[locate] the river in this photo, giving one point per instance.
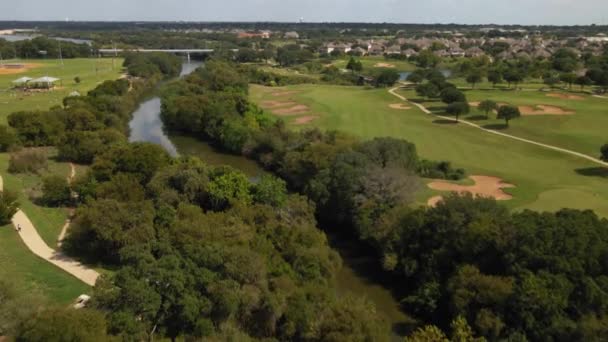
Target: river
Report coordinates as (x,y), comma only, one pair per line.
(359,275)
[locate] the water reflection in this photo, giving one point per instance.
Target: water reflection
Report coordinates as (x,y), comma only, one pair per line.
(147,126)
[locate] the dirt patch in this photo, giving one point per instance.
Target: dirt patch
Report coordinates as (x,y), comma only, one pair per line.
(283,93)
(399,106)
(544,110)
(305,119)
(485,186)
(476,104)
(4,70)
(384,65)
(276,104)
(295,110)
(565,96)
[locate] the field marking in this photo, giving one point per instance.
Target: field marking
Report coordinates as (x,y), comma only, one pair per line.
(551,147)
(33,241)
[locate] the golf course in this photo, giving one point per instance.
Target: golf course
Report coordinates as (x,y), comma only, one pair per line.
(542,179)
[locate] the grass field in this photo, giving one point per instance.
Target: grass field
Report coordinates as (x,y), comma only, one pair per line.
(12,100)
(16,259)
(545,179)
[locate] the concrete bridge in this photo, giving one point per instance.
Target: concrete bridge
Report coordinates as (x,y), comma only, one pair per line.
(186,52)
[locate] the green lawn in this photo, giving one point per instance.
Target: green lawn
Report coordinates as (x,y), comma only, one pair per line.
(545,179)
(85,68)
(16,259)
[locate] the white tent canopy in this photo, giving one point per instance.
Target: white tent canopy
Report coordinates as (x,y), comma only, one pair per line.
(45,79)
(22,80)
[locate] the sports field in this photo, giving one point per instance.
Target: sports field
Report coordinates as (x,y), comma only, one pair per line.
(91,72)
(375,62)
(543,179)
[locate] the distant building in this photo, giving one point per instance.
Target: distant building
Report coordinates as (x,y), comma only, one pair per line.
(291,35)
(393,50)
(245,35)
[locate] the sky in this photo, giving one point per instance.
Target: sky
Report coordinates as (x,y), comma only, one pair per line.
(528,12)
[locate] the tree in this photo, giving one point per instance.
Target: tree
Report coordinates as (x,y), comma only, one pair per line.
(583,81)
(77,80)
(551,80)
(416,76)
(270,190)
(568,78)
(495,77)
(451,95)
(8,138)
(429,90)
(387,78)
(8,206)
(508,113)
(55,191)
(474,78)
(487,106)
(513,76)
(354,65)
(604,153)
(458,108)
(63,325)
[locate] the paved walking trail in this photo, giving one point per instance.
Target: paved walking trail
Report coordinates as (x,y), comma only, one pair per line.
(34,242)
(551,147)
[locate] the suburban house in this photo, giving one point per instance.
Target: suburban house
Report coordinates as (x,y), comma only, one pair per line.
(409,53)
(474,52)
(393,50)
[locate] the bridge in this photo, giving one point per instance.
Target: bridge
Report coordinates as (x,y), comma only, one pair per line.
(187,52)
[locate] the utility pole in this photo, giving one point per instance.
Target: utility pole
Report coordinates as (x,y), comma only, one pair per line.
(60,55)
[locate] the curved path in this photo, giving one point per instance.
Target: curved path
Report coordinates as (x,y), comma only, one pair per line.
(68,221)
(551,147)
(34,242)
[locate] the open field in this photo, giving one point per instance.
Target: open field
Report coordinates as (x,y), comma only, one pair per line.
(542,177)
(16,259)
(12,101)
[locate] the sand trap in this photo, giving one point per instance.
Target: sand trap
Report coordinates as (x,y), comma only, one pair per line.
(476,104)
(276,104)
(384,65)
(543,110)
(283,93)
(12,71)
(565,96)
(399,106)
(305,119)
(485,186)
(295,110)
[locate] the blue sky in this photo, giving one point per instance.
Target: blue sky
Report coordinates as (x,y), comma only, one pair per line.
(404,11)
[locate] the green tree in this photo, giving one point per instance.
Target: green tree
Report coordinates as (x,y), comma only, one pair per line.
(8,138)
(494,77)
(473,78)
(568,78)
(457,109)
(429,333)
(77,80)
(63,325)
(55,191)
(228,188)
(513,76)
(8,206)
(429,90)
(487,106)
(270,190)
(508,113)
(551,80)
(387,78)
(451,95)
(583,81)
(354,65)
(604,153)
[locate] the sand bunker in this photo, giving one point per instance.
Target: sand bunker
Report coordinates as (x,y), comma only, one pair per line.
(400,106)
(485,186)
(544,110)
(295,110)
(305,119)
(384,65)
(476,104)
(283,93)
(276,104)
(4,70)
(565,96)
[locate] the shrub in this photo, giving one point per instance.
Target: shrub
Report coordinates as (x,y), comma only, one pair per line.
(8,138)
(27,160)
(8,206)
(55,191)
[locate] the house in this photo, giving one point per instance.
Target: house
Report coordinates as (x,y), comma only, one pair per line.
(456,52)
(359,51)
(376,50)
(246,35)
(504,55)
(442,53)
(541,53)
(409,53)
(291,35)
(474,52)
(393,50)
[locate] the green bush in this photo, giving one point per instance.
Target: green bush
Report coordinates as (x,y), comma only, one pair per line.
(27,160)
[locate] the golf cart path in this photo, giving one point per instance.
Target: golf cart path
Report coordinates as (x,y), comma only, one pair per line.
(68,221)
(551,147)
(34,242)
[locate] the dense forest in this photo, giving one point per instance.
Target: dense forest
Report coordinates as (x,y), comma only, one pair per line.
(43,47)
